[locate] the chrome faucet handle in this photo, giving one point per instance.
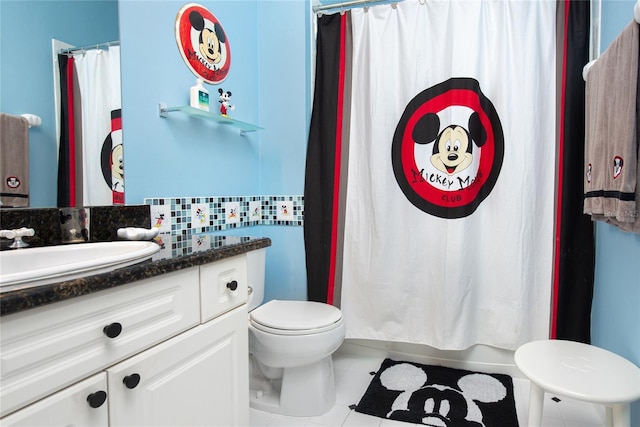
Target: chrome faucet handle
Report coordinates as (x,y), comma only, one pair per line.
(17,235)
(24,231)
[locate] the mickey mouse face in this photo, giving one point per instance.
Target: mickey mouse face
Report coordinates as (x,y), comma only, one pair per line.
(453,148)
(617,166)
(209,46)
(224,96)
(117,164)
(209,40)
(439,405)
(452,152)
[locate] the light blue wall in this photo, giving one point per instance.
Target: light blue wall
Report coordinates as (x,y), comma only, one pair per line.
(616,301)
(183,156)
(283,94)
(284,104)
(268,78)
(26,67)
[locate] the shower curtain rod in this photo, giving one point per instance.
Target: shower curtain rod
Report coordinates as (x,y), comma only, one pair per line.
(88,47)
(349,5)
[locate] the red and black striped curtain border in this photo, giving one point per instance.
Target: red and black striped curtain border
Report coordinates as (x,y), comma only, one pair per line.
(575,246)
(322,173)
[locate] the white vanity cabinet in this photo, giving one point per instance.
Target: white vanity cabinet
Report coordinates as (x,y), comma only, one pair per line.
(145,344)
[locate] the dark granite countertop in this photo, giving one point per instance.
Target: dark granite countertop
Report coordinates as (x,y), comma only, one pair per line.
(177,252)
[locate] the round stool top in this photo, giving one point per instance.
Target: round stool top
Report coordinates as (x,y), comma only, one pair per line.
(580,371)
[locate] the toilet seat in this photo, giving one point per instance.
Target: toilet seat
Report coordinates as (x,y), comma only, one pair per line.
(295,317)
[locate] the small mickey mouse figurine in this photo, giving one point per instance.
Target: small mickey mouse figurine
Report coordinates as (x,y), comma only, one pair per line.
(224,102)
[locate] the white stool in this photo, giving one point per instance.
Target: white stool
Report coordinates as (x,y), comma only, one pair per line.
(579,371)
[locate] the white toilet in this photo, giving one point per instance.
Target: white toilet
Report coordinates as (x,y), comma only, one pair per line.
(290,348)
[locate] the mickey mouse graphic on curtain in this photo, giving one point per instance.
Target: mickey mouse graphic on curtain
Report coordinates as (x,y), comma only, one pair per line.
(448,148)
(203,43)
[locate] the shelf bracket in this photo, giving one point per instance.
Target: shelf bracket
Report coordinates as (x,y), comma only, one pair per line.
(162,110)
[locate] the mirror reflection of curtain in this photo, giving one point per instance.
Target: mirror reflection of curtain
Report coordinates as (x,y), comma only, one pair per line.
(90,158)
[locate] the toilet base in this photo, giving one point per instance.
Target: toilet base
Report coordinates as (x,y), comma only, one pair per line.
(304,391)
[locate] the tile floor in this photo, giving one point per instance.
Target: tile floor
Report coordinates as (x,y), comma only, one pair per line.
(352,378)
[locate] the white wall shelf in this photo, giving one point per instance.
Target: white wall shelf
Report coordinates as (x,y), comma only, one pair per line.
(244,127)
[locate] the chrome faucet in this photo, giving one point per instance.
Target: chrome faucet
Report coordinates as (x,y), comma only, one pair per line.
(17,236)
(74,225)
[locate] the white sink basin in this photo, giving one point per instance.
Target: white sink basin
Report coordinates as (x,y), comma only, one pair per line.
(39,266)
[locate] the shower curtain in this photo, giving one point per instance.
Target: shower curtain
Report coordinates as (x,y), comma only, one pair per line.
(92,117)
(448,234)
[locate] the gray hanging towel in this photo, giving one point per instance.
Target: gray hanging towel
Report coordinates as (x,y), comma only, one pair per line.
(14,161)
(611,145)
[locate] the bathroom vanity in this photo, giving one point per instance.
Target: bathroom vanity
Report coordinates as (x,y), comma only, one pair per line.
(162,342)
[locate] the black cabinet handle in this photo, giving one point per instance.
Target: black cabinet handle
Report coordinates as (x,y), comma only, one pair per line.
(112,330)
(232,285)
(131,381)
(97,399)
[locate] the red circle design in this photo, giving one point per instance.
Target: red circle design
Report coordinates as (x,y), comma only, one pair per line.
(458,202)
(189,51)
(464,98)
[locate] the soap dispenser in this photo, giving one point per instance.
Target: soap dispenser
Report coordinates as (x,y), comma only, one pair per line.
(199,96)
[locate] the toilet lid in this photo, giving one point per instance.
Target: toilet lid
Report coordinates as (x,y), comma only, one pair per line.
(295,315)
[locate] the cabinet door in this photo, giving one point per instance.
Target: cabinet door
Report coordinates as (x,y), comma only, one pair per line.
(69,407)
(199,378)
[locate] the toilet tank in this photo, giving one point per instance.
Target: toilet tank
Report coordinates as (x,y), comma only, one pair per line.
(255,276)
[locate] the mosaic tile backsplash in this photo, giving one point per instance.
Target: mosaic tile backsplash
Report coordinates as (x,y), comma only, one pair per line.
(207,214)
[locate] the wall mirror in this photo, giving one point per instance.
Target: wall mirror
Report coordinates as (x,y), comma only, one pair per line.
(27,76)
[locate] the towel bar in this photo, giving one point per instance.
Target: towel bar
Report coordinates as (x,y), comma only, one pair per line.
(636,16)
(32,119)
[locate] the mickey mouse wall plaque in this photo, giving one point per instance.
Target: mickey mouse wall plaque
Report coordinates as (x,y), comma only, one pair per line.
(203,44)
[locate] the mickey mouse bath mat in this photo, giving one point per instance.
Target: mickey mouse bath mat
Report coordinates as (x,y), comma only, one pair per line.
(439,397)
